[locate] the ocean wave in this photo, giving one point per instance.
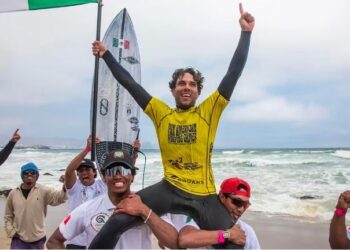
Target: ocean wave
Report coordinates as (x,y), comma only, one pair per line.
(233,152)
(313,151)
(342,154)
(273,162)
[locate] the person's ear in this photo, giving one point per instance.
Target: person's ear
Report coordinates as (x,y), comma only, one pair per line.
(222,197)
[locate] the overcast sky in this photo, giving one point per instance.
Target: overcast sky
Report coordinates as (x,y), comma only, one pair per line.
(294,90)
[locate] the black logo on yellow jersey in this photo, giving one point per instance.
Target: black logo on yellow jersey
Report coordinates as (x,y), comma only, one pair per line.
(182,134)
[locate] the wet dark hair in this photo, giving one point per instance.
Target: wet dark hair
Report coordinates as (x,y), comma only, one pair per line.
(197,76)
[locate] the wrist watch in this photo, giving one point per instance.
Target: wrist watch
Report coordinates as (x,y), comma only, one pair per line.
(226,234)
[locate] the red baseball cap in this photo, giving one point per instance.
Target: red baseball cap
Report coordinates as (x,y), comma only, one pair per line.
(235,186)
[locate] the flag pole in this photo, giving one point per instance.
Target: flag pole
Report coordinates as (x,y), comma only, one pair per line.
(95,87)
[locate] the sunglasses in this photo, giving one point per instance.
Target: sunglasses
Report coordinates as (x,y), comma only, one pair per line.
(29,172)
(238,202)
(113,171)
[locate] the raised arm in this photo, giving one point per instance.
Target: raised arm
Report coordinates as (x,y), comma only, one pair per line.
(164,232)
(70,175)
(141,96)
(6,151)
(337,232)
(239,58)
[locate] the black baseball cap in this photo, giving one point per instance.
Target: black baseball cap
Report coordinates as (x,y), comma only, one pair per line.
(118,157)
(87,164)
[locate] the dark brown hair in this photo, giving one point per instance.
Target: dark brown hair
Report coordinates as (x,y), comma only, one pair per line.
(197,76)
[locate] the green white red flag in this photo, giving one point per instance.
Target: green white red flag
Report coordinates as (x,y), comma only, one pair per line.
(121,43)
(19,5)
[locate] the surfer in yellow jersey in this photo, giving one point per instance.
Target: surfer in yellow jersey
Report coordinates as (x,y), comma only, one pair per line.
(186,136)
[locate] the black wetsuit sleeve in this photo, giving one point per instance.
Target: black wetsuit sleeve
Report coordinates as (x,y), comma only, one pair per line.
(235,69)
(6,151)
(141,96)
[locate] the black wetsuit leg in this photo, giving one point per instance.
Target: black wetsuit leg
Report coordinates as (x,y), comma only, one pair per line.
(207,211)
(214,216)
(158,197)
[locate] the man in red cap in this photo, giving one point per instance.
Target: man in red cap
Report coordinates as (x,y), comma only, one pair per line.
(234,195)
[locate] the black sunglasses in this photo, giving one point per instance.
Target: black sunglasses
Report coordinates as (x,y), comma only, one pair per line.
(27,172)
(238,202)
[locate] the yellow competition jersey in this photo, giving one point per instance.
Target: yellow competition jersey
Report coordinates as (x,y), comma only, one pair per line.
(186,140)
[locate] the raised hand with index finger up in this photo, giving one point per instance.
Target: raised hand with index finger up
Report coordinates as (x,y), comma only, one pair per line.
(246,20)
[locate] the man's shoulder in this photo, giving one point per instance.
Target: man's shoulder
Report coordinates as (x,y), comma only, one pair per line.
(244,224)
(248,229)
(156,103)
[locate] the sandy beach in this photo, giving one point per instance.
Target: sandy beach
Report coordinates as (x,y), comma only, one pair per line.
(274,232)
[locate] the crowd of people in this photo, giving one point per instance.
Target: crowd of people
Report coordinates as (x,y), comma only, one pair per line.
(183,210)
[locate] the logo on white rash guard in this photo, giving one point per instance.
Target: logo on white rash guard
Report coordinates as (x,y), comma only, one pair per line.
(98,220)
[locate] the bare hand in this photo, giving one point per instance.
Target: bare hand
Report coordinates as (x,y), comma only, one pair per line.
(132,205)
(62,178)
(16,136)
(136,145)
(89,143)
(246,21)
(237,235)
(344,200)
(98,48)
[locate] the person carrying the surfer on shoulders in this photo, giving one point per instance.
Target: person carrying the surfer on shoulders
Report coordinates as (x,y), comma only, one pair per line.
(81,185)
(234,194)
(339,233)
(6,151)
(186,137)
(118,172)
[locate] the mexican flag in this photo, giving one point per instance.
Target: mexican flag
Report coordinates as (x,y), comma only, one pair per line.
(121,43)
(17,5)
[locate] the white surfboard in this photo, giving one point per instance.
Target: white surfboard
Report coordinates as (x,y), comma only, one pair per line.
(118,114)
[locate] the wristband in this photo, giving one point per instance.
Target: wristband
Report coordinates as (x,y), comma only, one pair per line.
(340,211)
(221,239)
(149,214)
(87,149)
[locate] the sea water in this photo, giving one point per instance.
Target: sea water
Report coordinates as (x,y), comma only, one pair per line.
(296,182)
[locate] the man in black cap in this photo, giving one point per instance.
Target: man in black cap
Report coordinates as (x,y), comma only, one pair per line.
(83,186)
(118,172)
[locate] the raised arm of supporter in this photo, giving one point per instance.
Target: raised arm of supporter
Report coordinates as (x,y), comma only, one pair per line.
(70,174)
(164,231)
(136,145)
(10,227)
(240,56)
(337,232)
(6,151)
(16,136)
(193,237)
(55,197)
(141,96)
